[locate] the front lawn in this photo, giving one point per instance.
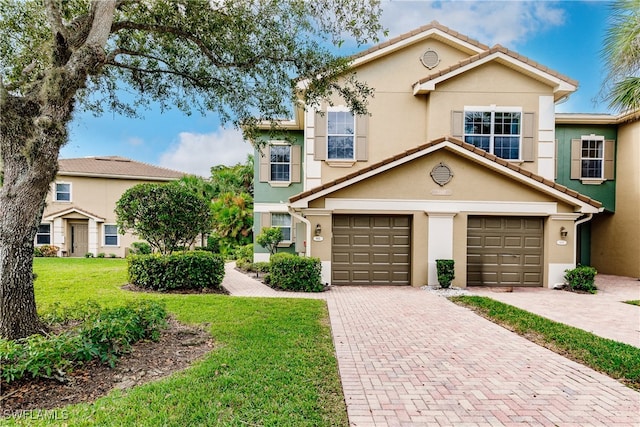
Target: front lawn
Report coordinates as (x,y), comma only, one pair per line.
(273,362)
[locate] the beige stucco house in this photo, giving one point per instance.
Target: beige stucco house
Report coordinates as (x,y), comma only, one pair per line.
(456,160)
(79,215)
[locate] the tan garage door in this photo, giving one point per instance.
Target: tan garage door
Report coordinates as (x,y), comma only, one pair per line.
(371,250)
(504,251)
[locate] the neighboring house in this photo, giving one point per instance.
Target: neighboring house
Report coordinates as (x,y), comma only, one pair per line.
(456,160)
(79,215)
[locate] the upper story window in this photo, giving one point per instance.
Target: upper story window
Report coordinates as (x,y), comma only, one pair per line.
(110,235)
(340,135)
(63,192)
(592,157)
(495,130)
(280,161)
(43,235)
(282,221)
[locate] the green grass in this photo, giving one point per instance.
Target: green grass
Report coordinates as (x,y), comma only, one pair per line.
(633,302)
(617,360)
(273,363)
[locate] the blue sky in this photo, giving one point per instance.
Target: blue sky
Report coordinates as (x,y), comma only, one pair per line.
(564,35)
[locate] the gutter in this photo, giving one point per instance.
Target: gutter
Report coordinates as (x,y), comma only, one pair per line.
(307,247)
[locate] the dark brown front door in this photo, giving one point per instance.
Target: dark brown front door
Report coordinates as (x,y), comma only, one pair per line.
(79,239)
(505,251)
(371,250)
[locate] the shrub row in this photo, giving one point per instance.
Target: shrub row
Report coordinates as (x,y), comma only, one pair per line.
(103,334)
(45,251)
(189,270)
(294,273)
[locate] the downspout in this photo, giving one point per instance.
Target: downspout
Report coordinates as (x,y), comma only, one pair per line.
(307,246)
(588,218)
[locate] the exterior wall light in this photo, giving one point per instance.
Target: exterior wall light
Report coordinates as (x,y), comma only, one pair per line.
(318,230)
(563,232)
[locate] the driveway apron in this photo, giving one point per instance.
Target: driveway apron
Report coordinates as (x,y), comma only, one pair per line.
(408,357)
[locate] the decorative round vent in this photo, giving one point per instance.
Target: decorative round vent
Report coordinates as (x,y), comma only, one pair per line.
(430,59)
(441,174)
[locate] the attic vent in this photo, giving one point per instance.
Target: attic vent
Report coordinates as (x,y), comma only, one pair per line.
(441,174)
(430,59)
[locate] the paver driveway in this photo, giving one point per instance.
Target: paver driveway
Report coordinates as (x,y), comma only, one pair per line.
(410,358)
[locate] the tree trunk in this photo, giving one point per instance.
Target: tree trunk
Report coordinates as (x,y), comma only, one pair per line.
(32,131)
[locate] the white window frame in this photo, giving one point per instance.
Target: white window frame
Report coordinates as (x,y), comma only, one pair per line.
(592,138)
(104,235)
(283,214)
(280,144)
(353,135)
(50,234)
(493,109)
(55,192)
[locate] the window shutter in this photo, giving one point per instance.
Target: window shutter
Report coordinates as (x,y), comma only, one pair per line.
(528,131)
(609,156)
(296,157)
(457,124)
(362,131)
(576,147)
(265,220)
(265,157)
(555,163)
(320,145)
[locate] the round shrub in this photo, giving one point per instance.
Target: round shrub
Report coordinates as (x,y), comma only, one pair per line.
(294,273)
(189,270)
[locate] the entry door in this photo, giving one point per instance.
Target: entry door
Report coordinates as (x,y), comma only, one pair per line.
(79,239)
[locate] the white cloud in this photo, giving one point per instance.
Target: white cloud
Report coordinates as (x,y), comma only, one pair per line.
(196,153)
(490,22)
(135,141)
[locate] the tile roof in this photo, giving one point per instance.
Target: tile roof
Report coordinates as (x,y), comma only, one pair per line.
(504,50)
(115,166)
(467,147)
(433,25)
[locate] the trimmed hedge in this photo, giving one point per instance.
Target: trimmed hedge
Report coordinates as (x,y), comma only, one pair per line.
(189,270)
(581,278)
(294,273)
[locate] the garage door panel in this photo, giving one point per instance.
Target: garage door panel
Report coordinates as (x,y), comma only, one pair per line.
(505,251)
(377,249)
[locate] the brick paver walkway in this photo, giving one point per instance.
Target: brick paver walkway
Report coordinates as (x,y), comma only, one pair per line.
(410,358)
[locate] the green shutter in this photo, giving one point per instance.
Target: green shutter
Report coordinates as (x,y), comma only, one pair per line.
(362,131)
(457,124)
(528,137)
(609,158)
(576,167)
(320,139)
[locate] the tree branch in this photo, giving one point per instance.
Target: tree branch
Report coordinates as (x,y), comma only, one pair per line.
(54,18)
(193,80)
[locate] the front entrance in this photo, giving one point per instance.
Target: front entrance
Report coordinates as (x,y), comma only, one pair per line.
(504,251)
(371,250)
(79,239)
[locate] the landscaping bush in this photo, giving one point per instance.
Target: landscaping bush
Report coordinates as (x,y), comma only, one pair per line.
(294,273)
(46,251)
(581,278)
(140,248)
(104,334)
(101,255)
(445,269)
(189,270)
(37,252)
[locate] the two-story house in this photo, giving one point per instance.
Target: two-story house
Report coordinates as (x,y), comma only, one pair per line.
(457,159)
(79,215)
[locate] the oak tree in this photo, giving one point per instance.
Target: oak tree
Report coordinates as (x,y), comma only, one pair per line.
(246,60)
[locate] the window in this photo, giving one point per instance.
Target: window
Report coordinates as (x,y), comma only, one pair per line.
(63,192)
(340,135)
(280,160)
(110,235)
(591,157)
(282,221)
(43,235)
(497,132)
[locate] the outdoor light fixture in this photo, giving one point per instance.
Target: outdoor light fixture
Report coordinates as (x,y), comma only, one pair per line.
(318,229)
(563,232)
